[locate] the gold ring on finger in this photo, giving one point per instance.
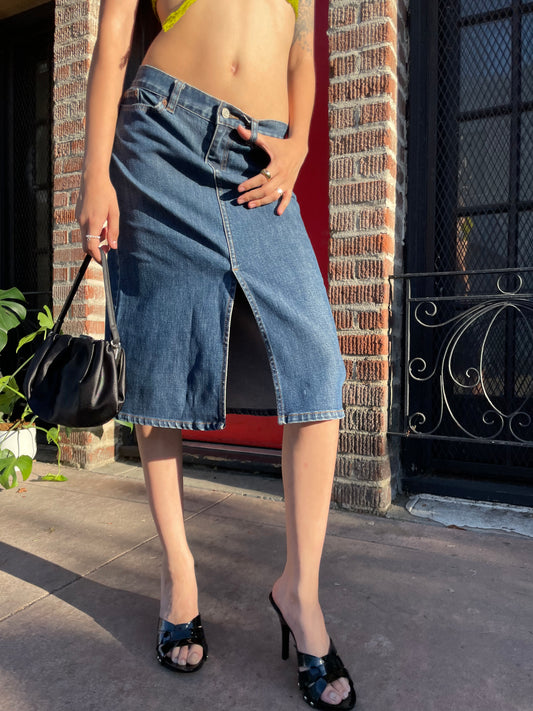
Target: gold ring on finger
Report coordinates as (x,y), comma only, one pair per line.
(266,173)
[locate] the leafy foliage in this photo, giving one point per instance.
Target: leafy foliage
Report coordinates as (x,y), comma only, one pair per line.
(12,313)
(9,464)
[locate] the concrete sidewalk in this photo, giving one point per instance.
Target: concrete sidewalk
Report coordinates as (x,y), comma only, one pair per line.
(427,618)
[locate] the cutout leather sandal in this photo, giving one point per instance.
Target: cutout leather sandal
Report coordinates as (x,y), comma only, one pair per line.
(315,673)
(170,636)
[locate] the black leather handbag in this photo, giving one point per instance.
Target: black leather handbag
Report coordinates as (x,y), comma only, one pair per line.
(78,381)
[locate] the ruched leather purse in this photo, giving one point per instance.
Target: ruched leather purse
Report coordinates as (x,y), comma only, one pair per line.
(77,381)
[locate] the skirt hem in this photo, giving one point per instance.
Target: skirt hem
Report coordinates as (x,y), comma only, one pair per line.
(287,419)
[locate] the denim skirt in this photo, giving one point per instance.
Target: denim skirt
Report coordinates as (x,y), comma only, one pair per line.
(220,308)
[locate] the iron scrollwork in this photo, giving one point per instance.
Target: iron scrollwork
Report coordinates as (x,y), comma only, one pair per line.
(469,357)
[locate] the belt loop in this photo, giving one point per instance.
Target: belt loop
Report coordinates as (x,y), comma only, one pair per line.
(254,127)
(175,92)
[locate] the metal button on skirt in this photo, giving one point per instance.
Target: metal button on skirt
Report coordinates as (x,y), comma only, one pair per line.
(220,308)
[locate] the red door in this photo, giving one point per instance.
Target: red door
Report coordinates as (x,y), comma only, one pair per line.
(312,191)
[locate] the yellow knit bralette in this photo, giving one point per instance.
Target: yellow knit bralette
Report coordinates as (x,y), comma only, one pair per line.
(174,16)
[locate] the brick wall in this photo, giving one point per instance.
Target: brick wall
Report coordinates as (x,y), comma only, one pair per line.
(76,24)
(368,56)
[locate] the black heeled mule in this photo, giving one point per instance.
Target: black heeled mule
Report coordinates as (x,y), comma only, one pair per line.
(170,636)
(317,672)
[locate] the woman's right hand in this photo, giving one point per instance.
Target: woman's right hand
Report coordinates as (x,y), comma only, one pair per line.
(97,213)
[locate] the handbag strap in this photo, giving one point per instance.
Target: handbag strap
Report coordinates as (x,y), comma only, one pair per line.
(115,339)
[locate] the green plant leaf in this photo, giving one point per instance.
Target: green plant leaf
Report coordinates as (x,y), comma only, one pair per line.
(52,435)
(9,465)
(128,425)
(53,477)
(8,474)
(27,339)
(12,293)
(12,312)
(25,464)
(45,318)
(9,320)
(8,395)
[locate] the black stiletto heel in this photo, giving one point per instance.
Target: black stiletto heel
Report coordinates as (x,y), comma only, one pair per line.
(170,636)
(285,632)
(315,673)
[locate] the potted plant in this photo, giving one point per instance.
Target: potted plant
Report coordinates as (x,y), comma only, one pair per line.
(17,422)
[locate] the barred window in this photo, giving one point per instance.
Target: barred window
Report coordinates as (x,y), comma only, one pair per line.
(476,115)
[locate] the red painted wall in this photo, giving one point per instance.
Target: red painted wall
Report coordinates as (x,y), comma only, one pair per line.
(312,192)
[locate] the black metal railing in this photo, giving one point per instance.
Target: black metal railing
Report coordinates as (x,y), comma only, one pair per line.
(468,356)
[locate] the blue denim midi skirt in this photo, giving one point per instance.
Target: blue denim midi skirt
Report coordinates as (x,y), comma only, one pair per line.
(220,308)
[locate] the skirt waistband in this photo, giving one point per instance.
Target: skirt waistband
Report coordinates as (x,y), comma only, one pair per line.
(178,93)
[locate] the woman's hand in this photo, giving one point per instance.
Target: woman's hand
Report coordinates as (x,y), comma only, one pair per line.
(98,214)
(276,183)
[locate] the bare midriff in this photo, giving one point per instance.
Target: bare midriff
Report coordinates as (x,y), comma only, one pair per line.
(231,51)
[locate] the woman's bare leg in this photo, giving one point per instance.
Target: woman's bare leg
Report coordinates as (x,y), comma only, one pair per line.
(161,456)
(308,464)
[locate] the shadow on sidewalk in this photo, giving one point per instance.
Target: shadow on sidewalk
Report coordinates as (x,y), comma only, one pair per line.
(107,606)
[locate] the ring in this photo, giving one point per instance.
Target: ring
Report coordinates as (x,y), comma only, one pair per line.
(266,173)
(280,192)
(92,236)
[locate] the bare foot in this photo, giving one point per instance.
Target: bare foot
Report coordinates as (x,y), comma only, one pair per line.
(179,605)
(308,627)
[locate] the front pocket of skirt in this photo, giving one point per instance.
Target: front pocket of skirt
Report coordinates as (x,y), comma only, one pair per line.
(141,98)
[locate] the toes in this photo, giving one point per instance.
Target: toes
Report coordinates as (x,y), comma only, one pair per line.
(195,654)
(342,687)
(331,696)
(336,692)
(187,655)
(179,655)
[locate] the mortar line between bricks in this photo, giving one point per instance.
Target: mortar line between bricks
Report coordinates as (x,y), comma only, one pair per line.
(88,573)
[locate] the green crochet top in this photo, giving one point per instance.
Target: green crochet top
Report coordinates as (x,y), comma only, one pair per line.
(174,16)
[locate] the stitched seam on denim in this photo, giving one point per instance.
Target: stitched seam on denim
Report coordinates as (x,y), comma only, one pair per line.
(207,119)
(186,424)
(310,412)
(225,346)
(174,98)
(148,87)
(207,153)
(271,359)
(225,142)
(319,416)
(138,107)
(225,223)
(143,107)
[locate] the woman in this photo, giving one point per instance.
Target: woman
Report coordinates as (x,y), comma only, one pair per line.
(201,153)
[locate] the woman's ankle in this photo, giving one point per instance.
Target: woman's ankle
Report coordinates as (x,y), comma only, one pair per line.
(179,592)
(295,592)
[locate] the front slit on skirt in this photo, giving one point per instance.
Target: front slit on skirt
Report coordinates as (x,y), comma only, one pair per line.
(220,308)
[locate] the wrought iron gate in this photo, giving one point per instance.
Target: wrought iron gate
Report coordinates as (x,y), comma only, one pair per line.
(467,392)
(26,57)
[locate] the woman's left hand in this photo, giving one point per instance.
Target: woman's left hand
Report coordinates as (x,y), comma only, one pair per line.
(276,182)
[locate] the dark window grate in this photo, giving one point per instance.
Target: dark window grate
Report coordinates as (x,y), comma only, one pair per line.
(470,210)
(26,57)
